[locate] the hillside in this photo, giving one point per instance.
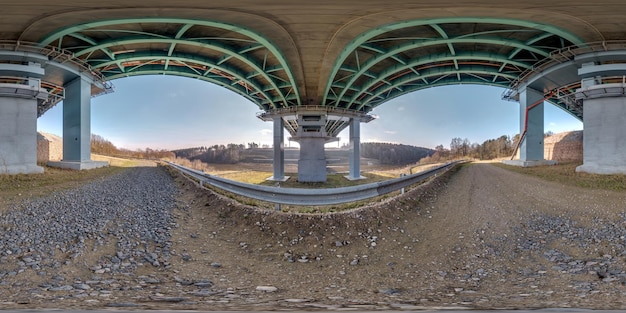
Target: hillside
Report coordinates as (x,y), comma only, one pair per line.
(377,153)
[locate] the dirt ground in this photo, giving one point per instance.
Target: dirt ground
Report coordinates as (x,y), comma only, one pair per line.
(455,242)
(448,243)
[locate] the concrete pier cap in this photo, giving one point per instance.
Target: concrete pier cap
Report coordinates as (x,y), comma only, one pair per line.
(312,127)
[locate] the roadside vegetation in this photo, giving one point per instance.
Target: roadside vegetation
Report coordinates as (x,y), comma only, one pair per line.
(15,187)
(566,174)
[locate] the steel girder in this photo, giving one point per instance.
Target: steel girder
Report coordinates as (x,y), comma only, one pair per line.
(379,65)
(245,61)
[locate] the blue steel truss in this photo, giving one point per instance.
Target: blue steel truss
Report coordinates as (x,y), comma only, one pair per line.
(231,56)
(399,58)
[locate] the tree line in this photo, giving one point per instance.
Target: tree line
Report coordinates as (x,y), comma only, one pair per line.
(100,145)
(500,147)
(394,154)
(220,154)
(385,153)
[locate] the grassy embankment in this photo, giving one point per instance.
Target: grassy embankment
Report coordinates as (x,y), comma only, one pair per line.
(15,187)
(566,174)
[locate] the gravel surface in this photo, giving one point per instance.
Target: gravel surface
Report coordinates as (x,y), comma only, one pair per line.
(480,237)
(127,215)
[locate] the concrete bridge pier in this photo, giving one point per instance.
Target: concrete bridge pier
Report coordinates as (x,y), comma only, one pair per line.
(279,150)
(20,93)
(312,127)
(311,135)
(531,128)
(77,127)
(603,92)
(355,150)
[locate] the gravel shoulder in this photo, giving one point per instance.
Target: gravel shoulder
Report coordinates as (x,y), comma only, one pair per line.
(477,237)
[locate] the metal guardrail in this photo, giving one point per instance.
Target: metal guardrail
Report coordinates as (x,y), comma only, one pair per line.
(312,197)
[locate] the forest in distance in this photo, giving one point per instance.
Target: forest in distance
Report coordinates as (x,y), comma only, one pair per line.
(385,153)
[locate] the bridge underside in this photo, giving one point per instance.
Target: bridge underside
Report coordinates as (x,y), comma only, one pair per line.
(310,70)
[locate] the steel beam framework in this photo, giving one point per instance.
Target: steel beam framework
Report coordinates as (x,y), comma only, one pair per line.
(402,57)
(228,55)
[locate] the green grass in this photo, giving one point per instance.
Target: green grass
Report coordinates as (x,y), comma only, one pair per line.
(14,187)
(249,177)
(332,180)
(566,174)
(122,162)
(52,177)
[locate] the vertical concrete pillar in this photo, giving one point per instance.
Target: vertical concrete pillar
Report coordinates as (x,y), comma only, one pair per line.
(355,150)
(279,150)
(77,121)
(604,133)
(311,136)
(18,136)
(604,120)
(531,121)
(531,148)
(19,99)
(312,162)
(77,127)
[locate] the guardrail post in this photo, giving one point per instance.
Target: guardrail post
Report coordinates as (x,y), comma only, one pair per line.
(277,205)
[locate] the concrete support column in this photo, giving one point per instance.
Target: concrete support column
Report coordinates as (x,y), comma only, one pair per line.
(77,121)
(279,150)
(604,119)
(19,98)
(77,127)
(604,136)
(312,162)
(531,148)
(531,126)
(311,136)
(355,150)
(312,127)
(18,136)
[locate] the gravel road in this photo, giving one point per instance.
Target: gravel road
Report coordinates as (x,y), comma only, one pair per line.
(511,239)
(127,215)
(481,237)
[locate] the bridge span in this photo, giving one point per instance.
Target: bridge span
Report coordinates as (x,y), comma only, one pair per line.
(316,68)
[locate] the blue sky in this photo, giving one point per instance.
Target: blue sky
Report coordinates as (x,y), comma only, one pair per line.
(168,112)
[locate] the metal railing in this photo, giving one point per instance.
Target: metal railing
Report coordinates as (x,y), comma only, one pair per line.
(57,55)
(560,56)
(311,197)
(267,115)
